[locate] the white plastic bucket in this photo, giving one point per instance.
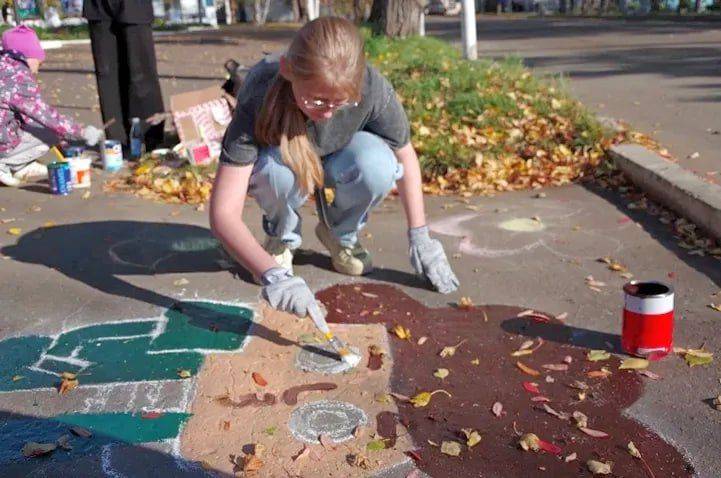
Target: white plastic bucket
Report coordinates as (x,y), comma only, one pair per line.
(80,171)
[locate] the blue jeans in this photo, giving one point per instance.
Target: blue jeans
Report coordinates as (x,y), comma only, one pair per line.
(361,174)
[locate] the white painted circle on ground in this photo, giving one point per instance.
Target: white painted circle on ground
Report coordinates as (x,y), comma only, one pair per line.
(334,419)
(522,225)
(321,358)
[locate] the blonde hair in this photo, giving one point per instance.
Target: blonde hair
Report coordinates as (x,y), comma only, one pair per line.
(329,51)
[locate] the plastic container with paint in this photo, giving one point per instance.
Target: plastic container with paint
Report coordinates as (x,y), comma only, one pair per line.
(112,153)
(647,319)
(80,171)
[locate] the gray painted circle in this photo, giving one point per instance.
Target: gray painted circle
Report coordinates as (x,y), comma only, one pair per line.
(321,358)
(337,420)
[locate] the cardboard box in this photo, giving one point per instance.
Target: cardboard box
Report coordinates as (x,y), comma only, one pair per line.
(201,116)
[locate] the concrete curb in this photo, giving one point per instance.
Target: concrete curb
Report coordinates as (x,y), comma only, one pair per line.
(56,44)
(672,186)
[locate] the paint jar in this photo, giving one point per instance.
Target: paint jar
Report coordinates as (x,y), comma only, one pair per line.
(73,151)
(80,171)
(647,319)
(112,154)
(59,178)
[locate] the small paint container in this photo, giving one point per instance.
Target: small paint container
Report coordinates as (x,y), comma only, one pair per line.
(112,153)
(648,319)
(80,171)
(59,178)
(73,151)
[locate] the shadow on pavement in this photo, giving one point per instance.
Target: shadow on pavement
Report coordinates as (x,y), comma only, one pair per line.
(662,233)
(108,452)
(563,334)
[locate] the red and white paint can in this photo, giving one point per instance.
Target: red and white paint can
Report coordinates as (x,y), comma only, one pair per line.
(647,319)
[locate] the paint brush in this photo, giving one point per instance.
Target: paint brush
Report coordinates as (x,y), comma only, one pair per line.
(346,354)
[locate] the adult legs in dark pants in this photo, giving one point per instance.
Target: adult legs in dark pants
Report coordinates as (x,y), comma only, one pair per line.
(127,77)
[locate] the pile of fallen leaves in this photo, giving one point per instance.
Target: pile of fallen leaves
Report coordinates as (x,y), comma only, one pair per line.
(162,179)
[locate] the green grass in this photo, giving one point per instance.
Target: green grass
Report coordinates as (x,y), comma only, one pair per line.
(78,32)
(443,92)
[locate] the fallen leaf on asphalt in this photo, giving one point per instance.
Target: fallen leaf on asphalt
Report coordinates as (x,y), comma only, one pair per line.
(695,357)
(570,457)
(540,398)
(633,364)
(717,403)
(550,379)
(530,442)
(497,409)
(578,385)
(649,374)
(49,224)
(326,442)
(537,316)
(531,387)
(580,418)
(8,220)
(476,361)
(422,340)
(527,370)
(556,367)
(441,373)
(86,195)
(582,396)
(591,282)
(551,411)
(182,373)
(252,463)
(38,449)
(81,432)
(68,383)
(450,351)
(715,307)
(359,461)
(597,355)
(568,359)
(181,282)
(524,349)
(17,377)
(258,379)
(599,467)
(452,448)
(400,397)
(633,450)
(15,231)
(369,295)
(64,442)
(424,398)
(473,438)
(465,303)
(603,373)
(593,433)
(401,332)
(562,316)
(382,398)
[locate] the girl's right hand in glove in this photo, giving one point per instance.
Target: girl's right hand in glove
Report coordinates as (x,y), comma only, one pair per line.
(288,293)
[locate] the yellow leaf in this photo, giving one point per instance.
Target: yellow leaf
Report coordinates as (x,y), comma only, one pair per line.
(86,195)
(15,231)
(465,303)
(598,467)
(633,364)
(695,357)
(452,448)
(598,355)
(521,353)
(424,398)
(472,437)
(49,224)
(715,307)
(530,442)
(528,370)
(476,361)
(401,332)
(633,450)
(441,373)
(182,373)
(450,351)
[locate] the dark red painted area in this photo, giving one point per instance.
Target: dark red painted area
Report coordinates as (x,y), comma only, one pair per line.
(248,400)
(290,396)
(475,388)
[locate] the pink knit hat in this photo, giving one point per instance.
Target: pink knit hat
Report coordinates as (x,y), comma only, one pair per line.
(24,40)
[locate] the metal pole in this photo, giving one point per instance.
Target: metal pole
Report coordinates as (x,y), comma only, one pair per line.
(228,13)
(422,27)
(468,30)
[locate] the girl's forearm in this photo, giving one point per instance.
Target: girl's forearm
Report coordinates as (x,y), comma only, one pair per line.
(410,186)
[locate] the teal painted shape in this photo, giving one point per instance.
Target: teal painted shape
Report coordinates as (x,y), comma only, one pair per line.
(127,351)
(128,427)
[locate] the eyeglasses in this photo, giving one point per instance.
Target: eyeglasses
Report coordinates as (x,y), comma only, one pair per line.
(318,104)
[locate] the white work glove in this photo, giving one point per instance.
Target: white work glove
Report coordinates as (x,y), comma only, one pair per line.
(288,293)
(430,261)
(91,135)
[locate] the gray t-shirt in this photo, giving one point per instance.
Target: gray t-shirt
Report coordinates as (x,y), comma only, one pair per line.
(378,112)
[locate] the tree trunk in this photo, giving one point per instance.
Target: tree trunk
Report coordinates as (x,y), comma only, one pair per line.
(396,18)
(358,11)
(697,6)
(260,11)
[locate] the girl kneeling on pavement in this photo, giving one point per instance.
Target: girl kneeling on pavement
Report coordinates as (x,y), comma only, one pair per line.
(318,117)
(28,125)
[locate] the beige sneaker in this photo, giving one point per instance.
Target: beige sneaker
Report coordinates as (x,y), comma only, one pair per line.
(32,170)
(353,261)
(280,252)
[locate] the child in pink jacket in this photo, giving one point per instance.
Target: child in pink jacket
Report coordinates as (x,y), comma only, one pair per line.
(28,125)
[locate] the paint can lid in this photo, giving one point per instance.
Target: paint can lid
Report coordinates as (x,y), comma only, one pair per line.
(650,289)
